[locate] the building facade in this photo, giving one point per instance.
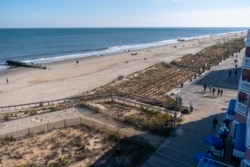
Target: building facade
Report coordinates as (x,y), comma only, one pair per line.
(240,127)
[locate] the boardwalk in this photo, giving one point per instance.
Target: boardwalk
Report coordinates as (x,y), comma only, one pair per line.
(179,150)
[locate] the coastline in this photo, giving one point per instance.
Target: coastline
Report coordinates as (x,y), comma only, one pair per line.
(67,78)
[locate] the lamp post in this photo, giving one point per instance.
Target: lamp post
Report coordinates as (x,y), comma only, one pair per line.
(192,65)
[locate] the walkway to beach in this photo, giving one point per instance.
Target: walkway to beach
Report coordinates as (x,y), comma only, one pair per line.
(179,150)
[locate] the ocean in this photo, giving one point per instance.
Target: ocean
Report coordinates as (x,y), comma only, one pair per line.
(55,44)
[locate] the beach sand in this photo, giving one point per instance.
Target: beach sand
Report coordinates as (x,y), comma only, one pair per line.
(68,78)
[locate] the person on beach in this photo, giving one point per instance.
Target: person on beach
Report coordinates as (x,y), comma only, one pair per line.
(7,81)
(213,90)
(205,87)
(195,76)
(218,92)
(215,122)
(210,88)
(221,92)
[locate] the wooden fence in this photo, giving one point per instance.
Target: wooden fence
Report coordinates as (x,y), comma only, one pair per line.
(94,124)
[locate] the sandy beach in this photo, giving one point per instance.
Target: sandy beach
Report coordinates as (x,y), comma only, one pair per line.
(67,78)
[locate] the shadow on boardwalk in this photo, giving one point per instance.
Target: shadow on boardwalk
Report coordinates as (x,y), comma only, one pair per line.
(176,151)
(179,150)
(221,79)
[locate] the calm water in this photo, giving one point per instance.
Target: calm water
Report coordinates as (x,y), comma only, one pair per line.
(47,45)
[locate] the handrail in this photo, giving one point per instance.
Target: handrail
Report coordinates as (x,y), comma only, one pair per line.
(87,97)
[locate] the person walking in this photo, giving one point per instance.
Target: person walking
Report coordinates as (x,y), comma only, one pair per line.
(218,92)
(7,81)
(215,122)
(235,72)
(213,90)
(210,88)
(221,92)
(205,87)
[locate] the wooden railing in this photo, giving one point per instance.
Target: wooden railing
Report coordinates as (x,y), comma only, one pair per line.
(76,99)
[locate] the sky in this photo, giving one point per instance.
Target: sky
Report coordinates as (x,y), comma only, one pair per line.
(124,13)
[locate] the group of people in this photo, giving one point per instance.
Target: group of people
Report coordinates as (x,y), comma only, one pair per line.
(236,66)
(235,72)
(213,90)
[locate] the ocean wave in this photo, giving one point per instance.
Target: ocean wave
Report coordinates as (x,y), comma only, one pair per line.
(100,51)
(44,55)
(53,57)
(3,68)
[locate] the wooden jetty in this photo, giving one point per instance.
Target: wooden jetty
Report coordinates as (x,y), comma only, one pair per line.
(22,64)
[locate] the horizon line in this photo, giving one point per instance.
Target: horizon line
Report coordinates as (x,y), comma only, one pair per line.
(121,27)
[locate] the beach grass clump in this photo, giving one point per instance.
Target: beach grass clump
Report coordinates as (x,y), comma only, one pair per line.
(153,121)
(53,108)
(7,139)
(30,111)
(143,118)
(7,116)
(114,136)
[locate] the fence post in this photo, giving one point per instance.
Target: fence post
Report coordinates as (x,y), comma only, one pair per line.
(46,127)
(64,122)
(28,131)
(118,115)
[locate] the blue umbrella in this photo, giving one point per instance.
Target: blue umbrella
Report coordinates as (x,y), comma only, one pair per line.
(213,141)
